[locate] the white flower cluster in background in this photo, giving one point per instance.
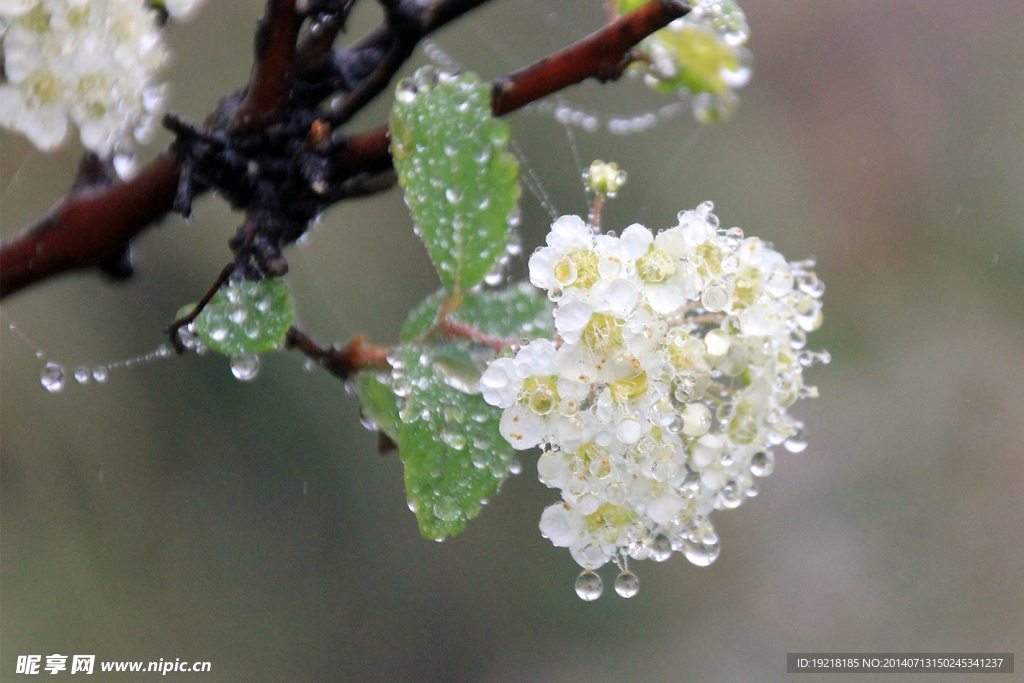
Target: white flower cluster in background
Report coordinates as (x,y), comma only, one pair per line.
(91,61)
(703,52)
(679,356)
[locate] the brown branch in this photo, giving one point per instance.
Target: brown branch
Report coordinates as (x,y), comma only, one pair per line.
(94,225)
(603,55)
(315,50)
(266,98)
(341,362)
(88,226)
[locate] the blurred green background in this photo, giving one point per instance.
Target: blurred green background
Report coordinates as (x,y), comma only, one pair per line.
(175,512)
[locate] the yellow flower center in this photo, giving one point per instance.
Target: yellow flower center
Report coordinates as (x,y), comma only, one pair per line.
(601,333)
(655,267)
(578,268)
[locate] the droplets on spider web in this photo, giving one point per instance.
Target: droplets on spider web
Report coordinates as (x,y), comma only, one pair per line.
(586,119)
(573,119)
(55,376)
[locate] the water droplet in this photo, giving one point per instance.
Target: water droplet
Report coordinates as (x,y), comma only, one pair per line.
(798,442)
(52,377)
(615,494)
(245,366)
(701,547)
(100,373)
(83,375)
(515,467)
(238,313)
(589,585)
(456,440)
(714,298)
(762,463)
(627,584)
(661,548)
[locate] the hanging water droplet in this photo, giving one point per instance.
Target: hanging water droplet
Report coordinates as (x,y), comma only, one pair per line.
(796,443)
(762,463)
(661,548)
(82,375)
(589,585)
(702,552)
(627,584)
(52,377)
(100,373)
(245,366)
(515,467)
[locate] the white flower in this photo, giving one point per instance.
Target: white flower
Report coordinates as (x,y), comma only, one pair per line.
(90,61)
(678,357)
(522,427)
(499,383)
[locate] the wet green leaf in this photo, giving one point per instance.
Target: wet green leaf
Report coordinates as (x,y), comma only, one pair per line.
(248,317)
(459,179)
(449,442)
(379,403)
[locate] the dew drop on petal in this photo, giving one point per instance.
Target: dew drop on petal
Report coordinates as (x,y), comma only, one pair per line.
(714,298)
(589,585)
(52,377)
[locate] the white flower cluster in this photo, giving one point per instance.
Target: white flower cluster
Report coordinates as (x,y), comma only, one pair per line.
(93,61)
(678,357)
(703,52)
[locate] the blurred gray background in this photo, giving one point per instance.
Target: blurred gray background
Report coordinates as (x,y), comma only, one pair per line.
(175,512)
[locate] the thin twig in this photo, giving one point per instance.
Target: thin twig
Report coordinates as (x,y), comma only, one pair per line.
(314,51)
(341,362)
(172,329)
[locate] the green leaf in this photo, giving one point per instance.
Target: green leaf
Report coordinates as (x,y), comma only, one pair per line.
(521,311)
(454,456)
(247,317)
(379,403)
(459,179)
